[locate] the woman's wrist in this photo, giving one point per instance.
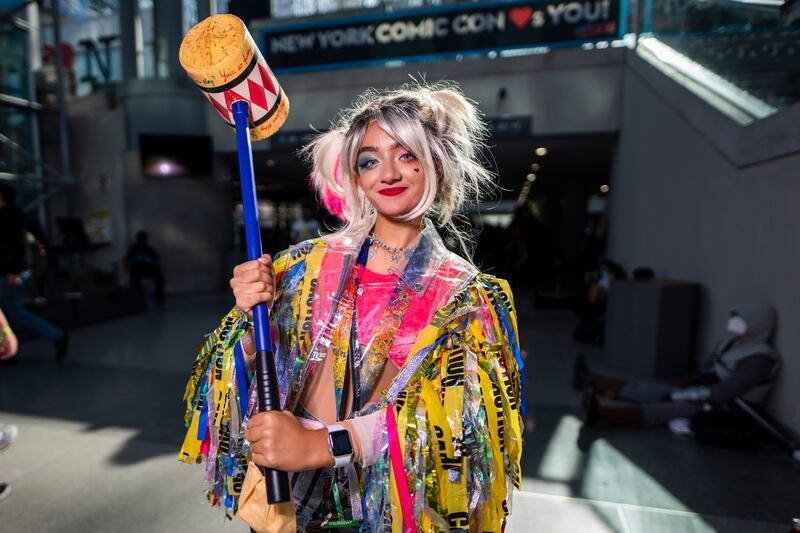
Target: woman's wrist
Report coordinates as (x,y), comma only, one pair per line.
(248,344)
(320,450)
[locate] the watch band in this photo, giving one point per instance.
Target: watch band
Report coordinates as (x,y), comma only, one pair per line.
(338,431)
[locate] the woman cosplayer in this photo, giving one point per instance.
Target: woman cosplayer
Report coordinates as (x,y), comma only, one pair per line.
(398,362)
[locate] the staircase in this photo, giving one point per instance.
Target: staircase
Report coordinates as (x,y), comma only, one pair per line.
(765,63)
(745,50)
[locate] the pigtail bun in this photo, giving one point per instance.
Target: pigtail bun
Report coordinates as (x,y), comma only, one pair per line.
(324,154)
(460,135)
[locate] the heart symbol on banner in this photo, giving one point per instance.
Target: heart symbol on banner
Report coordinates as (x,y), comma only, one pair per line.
(520,16)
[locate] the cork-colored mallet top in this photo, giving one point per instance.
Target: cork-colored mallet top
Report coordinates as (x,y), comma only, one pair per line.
(213,46)
(222,59)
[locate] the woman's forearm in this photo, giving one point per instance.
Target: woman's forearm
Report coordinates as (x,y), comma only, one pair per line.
(5,328)
(249,348)
(363,430)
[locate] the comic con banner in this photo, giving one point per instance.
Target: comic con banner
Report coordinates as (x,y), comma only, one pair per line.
(441,31)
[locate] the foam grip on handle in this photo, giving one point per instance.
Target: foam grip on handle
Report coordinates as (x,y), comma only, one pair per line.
(269,400)
(268,395)
(277,485)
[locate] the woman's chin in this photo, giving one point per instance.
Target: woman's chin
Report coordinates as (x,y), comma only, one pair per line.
(393,212)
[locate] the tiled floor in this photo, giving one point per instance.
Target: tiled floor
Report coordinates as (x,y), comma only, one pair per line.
(99,437)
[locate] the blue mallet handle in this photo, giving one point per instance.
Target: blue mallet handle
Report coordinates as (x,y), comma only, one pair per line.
(268,393)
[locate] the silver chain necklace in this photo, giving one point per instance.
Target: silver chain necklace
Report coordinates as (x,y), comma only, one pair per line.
(394,253)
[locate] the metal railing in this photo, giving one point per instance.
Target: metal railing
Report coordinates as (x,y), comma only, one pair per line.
(21,162)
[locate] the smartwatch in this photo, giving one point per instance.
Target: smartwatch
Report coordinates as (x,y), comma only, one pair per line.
(339,445)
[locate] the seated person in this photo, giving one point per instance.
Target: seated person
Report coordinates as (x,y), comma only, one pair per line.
(742,365)
(592,308)
(142,262)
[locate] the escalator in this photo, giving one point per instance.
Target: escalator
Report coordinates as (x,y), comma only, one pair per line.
(745,51)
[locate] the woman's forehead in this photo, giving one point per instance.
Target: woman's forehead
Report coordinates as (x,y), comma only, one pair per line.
(377,137)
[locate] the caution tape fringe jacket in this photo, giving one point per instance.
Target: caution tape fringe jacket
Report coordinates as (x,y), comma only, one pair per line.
(451,440)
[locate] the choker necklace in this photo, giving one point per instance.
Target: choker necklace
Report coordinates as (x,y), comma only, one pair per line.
(394,253)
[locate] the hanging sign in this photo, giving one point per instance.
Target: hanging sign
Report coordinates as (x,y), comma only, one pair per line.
(429,33)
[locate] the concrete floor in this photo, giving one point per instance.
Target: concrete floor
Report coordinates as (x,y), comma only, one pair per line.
(99,438)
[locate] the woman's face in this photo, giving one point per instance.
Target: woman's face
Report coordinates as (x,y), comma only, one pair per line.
(390,175)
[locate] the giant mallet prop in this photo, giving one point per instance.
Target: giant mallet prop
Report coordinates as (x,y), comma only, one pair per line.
(222,59)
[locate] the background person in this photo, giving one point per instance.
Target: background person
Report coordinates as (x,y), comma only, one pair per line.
(142,262)
(8,341)
(305,227)
(592,307)
(8,349)
(742,365)
(13,272)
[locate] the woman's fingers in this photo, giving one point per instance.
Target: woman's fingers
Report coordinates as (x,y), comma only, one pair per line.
(251,287)
(252,271)
(253,283)
(277,440)
(248,302)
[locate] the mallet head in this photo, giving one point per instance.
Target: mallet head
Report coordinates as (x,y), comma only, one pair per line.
(222,59)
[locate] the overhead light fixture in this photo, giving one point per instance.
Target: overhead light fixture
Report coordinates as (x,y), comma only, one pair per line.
(604,189)
(535,166)
(270,163)
(541,151)
(531,177)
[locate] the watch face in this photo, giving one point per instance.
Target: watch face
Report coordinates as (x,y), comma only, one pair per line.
(340,441)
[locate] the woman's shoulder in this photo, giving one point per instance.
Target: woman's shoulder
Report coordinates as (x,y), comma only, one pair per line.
(457,266)
(304,248)
(457,270)
(315,250)
(294,254)
(491,290)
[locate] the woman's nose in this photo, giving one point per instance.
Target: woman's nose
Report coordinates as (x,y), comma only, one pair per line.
(390,172)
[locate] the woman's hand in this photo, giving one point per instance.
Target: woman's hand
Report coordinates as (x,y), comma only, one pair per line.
(8,348)
(278,441)
(253,283)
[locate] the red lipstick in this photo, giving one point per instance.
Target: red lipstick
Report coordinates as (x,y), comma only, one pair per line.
(392,191)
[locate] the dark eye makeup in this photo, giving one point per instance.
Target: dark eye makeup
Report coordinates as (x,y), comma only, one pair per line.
(367,163)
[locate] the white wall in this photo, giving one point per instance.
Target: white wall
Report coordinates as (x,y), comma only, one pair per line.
(680,206)
(189,221)
(97,137)
(190,225)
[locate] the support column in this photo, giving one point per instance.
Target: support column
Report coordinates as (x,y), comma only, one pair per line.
(203,9)
(63,129)
(127,37)
(168,24)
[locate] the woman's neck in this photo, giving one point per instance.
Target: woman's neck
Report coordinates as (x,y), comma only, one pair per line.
(397,234)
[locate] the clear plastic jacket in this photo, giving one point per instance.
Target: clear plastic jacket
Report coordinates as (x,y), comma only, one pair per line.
(451,451)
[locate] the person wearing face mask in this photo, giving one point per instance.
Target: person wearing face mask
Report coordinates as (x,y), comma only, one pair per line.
(398,361)
(742,365)
(592,308)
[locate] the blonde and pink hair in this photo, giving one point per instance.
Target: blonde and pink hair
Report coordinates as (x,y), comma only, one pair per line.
(437,123)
